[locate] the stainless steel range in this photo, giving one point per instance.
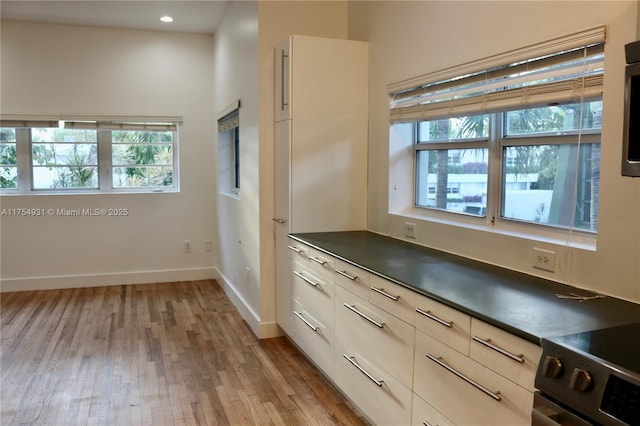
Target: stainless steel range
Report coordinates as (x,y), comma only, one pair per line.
(589,378)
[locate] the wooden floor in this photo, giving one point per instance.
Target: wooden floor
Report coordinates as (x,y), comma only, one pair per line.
(153,354)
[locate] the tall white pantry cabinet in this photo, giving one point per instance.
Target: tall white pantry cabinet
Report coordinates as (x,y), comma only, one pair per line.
(321,132)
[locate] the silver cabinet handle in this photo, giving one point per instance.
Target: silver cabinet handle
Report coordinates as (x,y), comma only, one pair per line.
(318,260)
(487,343)
(494,395)
(311,326)
(283,104)
(428,314)
(372,321)
(305,279)
(279,220)
(362,370)
(385,294)
(426,423)
(296,249)
(345,274)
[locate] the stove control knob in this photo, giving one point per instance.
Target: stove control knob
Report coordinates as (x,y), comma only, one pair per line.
(580,380)
(552,367)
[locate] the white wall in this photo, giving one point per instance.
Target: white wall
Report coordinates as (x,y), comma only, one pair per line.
(244,69)
(408,39)
(52,70)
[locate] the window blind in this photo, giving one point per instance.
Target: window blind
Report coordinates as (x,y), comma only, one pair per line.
(229,121)
(562,70)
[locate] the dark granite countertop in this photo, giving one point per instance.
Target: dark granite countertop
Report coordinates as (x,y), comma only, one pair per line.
(521,304)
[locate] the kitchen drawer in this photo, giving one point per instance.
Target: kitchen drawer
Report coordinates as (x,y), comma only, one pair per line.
(445,324)
(299,252)
(489,400)
(424,414)
(375,334)
(313,337)
(352,278)
(314,292)
(514,358)
(393,298)
(322,264)
(380,396)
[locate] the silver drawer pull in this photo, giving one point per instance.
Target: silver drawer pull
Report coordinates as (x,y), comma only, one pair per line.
(296,249)
(385,294)
(311,326)
(494,395)
(345,274)
(352,360)
(487,343)
(372,321)
(305,279)
(428,314)
(425,423)
(318,260)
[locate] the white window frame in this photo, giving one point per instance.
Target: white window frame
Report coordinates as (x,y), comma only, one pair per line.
(402,199)
(104,127)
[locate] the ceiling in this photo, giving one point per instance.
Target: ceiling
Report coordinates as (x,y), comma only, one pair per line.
(189,16)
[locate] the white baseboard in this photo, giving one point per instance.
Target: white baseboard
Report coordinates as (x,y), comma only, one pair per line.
(262,330)
(100,280)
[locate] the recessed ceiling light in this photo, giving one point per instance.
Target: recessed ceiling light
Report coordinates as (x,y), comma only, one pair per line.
(166,19)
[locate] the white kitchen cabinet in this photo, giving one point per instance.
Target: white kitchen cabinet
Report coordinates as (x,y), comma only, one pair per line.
(376,334)
(292,252)
(423,414)
(323,146)
(464,391)
(321,130)
(313,335)
(352,278)
(444,323)
(393,298)
(508,355)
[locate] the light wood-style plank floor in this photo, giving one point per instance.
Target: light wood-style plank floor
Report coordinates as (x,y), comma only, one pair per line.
(153,354)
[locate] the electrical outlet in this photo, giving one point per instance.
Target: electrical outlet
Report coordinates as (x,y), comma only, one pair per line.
(208,245)
(187,246)
(410,230)
(544,259)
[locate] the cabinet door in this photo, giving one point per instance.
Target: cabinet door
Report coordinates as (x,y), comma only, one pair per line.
(446,324)
(375,334)
(282,226)
(464,391)
(313,336)
(512,357)
(424,414)
(379,395)
(283,80)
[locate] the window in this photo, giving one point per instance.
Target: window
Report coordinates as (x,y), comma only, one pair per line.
(229,149)
(8,159)
(87,156)
(518,141)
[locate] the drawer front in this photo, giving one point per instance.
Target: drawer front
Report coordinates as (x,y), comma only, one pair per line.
(393,298)
(424,414)
(380,396)
(380,337)
(352,278)
(445,324)
(467,392)
(514,358)
(298,252)
(314,292)
(322,264)
(313,336)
